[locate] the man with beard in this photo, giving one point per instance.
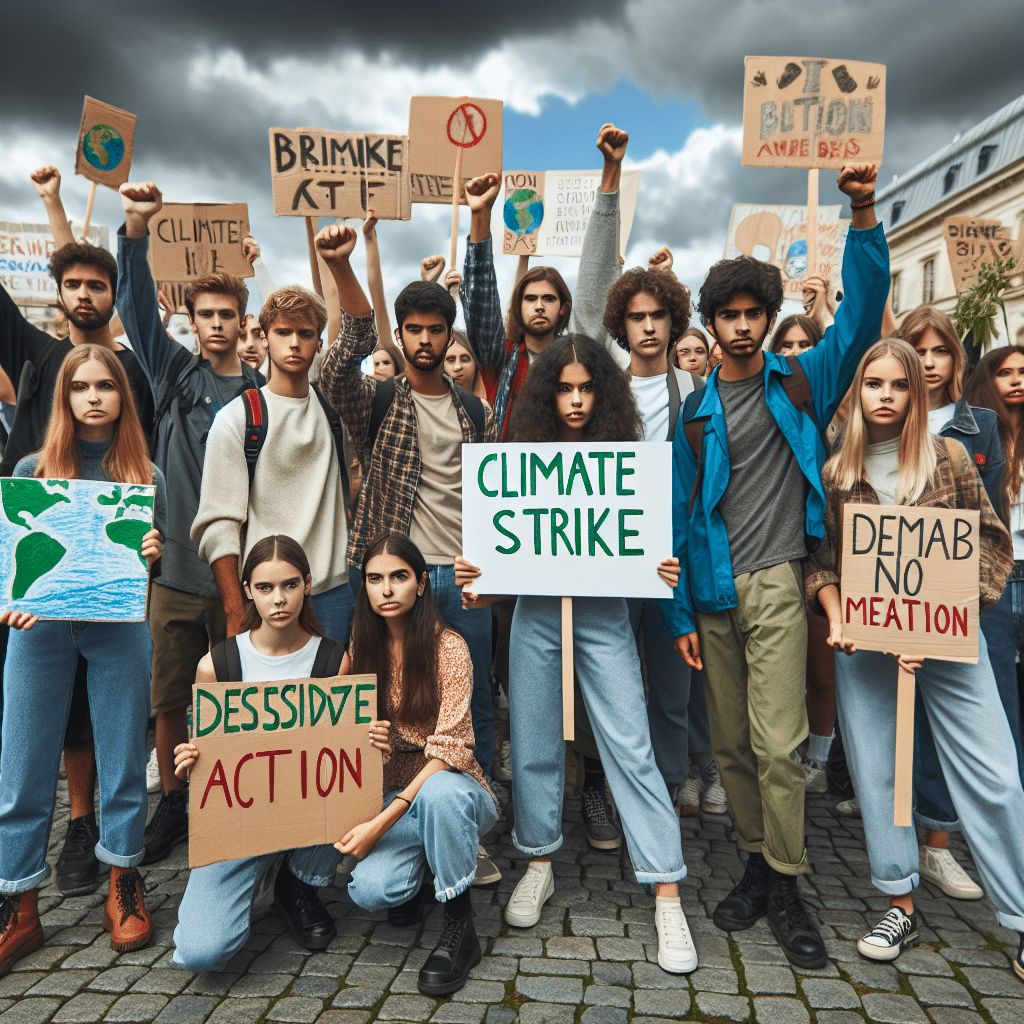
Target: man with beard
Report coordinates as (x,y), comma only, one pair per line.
(411,429)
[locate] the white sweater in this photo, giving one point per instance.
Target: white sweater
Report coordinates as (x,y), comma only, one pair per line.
(296,489)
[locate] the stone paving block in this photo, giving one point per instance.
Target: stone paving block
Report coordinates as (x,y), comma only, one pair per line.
(501,1015)
(647,975)
(768,1010)
(840,1017)
(383,955)
(18,983)
(922,961)
(186,1009)
(131,1008)
(708,979)
(609,948)
(941,992)
(594,926)
(140,957)
(328,965)
(166,981)
(480,992)
(827,994)
(116,979)
(890,1009)
(99,954)
(953,1015)
(729,1007)
(755,953)
(260,985)
(515,945)
(541,965)
(651,1003)
(763,980)
(273,962)
(238,1011)
(973,957)
(211,983)
(62,983)
(341,1017)
(991,982)
(495,968)
(30,1011)
(322,988)
(873,975)
(1003,1011)
(357,998)
(605,973)
(83,1009)
(371,977)
(550,990)
(607,995)
(460,1013)
(604,1015)
(296,1010)
(571,947)
(545,1013)
(45,959)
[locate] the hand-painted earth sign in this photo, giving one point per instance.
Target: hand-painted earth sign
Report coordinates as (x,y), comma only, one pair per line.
(105,138)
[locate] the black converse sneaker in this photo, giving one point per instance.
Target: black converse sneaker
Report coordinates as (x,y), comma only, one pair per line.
(888,938)
(602,832)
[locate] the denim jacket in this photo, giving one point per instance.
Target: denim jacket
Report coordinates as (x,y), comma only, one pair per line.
(977,429)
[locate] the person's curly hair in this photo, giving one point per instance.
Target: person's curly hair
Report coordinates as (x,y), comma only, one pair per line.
(664,289)
(535,413)
(727,278)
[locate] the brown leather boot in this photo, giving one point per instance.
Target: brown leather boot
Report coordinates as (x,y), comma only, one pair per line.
(126,917)
(20,930)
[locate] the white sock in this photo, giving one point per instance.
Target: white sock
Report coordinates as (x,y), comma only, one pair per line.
(667,899)
(818,747)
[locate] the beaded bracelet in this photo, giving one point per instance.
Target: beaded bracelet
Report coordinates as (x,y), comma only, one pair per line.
(867,201)
(408,802)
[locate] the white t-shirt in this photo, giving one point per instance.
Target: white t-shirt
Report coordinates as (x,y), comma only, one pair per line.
(882,464)
(1017,527)
(938,418)
(652,400)
(436,527)
(265,668)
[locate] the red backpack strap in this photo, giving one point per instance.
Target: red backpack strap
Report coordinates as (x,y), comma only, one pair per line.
(255,406)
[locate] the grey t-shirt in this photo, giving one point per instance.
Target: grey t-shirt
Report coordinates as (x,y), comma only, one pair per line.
(764,503)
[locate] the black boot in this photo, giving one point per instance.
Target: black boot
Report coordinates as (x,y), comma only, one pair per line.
(749,899)
(455,955)
(303,911)
(78,870)
(416,908)
(792,925)
(167,827)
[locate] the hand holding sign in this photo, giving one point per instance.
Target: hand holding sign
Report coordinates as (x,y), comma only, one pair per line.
(335,243)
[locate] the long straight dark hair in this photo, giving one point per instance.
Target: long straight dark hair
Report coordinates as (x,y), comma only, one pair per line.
(290,551)
(371,653)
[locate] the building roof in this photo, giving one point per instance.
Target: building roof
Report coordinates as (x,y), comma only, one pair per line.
(979,153)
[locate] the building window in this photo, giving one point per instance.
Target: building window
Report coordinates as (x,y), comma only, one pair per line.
(985,158)
(895,293)
(897,212)
(950,180)
(928,282)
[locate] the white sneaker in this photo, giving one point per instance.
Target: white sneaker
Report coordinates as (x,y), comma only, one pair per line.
(715,801)
(676,952)
(815,780)
(850,808)
(888,938)
(939,867)
(153,783)
(502,767)
(535,888)
(687,796)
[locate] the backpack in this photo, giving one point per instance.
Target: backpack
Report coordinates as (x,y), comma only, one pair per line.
(384,397)
(798,391)
(227,663)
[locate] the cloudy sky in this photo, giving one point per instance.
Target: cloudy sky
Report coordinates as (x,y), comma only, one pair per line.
(207,81)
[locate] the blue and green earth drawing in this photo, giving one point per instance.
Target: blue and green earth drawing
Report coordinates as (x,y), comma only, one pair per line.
(103,147)
(71,549)
(524,210)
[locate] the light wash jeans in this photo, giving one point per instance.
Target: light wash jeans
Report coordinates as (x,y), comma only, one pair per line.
(334,608)
(978,760)
(608,668)
(474,626)
(213,918)
(39,675)
(439,833)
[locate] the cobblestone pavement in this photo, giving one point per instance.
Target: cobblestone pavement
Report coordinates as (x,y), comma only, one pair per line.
(591,959)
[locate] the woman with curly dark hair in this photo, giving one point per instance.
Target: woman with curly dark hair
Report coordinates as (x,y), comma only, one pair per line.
(575,393)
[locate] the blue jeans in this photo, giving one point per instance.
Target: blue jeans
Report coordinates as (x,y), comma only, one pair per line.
(474,626)
(976,753)
(334,609)
(38,678)
(213,918)
(668,689)
(698,726)
(609,673)
(438,833)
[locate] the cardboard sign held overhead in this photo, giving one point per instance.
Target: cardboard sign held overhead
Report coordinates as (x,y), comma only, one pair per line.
(778,235)
(812,112)
(190,240)
(25,251)
(282,765)
(972,242)
(546,212)
(910,580)
(105,139)
(438,127)
(320,173)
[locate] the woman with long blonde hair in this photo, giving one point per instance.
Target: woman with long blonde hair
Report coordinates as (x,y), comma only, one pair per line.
(93,434)
(889,457)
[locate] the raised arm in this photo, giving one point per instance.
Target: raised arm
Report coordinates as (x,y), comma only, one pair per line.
(375,282)
(47,183)
(481,304)
(264,282)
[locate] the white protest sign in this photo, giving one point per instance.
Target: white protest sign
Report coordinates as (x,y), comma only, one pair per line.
(577,520)
(25,251)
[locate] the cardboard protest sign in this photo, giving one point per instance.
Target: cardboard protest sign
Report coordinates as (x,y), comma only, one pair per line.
(282,765)
(812,112)
(438,127)
(105,139)
(190,240)
(778,235)
(546,212)
(910,580)
(25,251)
(320,173)
(573,520)
(72,549)
(972,242)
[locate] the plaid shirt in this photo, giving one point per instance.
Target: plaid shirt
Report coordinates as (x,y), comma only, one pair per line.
(955,484)
(388,493)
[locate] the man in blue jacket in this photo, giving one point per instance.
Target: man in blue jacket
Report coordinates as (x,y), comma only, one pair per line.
(747,507)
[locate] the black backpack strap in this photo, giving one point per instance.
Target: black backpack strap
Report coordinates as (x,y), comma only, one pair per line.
(694,430)
(227,663)
(798,391)
(328,658)
(674,402)
(255,406)
(474,410)
(338,433)
(382,400)
(698,381)
(168,389)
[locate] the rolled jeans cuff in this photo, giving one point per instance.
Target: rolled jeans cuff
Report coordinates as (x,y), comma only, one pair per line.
(652,877)
(802,868)
(115,861)
(537,851)
(444,895)
(33,881)
(935,825)
(1012,921)
(899,887)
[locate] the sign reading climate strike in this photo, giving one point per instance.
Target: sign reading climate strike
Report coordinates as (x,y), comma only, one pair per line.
(910,580)
(568,520)
(283,764)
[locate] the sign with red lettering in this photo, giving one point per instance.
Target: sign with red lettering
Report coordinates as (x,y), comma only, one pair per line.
(971,242)
(812,112)
(190,240)
(910,580)
(281,765)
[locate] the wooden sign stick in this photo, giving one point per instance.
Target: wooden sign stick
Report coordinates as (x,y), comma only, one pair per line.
(456,196)
(568,693)
(88,209)
(812,221)
(903,790)
(313,265)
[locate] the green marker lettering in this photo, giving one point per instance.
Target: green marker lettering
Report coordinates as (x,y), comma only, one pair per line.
(276,724)
(294,710)
(621,471)
(559,521)
(555,466)
(360,703)
(625,533)
(536,513)
(593,534)
(480,476)
(516,545)
(600,456)
(248,707)
(579,469)
(505,492)
(229,710)
(200,694)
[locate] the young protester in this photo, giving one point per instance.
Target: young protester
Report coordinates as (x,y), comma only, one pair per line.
(412,432)
(252,344)
(280,638)
(460,364)
(93,434)
(577,393)
(943,360)
(797,333)
(818,305)
(747,508)
(889,456)
(690,352)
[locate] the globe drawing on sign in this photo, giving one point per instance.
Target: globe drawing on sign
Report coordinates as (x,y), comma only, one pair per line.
(103,147)
(796,260)
(524,210)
